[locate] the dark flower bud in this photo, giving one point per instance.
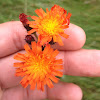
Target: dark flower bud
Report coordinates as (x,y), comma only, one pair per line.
(29,39)
(23,18)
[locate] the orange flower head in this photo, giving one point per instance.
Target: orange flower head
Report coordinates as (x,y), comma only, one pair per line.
(50,24)
(38,67)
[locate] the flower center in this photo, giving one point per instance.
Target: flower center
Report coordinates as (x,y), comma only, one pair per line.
(38,66)
(49,26)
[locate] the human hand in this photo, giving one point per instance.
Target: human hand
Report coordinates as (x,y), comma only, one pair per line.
(77,62)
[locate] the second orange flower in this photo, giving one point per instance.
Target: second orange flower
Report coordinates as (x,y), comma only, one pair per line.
(50,25)
(38,67)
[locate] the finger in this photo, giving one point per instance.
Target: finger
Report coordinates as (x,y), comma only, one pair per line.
(68,91)
(14,93)
(65,91)
(20,93)
(82,63)
(1,92)
(12,36)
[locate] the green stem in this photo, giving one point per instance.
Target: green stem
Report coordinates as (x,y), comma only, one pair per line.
(35,35)
(25,6)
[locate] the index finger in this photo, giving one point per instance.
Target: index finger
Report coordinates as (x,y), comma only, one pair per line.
(12,36)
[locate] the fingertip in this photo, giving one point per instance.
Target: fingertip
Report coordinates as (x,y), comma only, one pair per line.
(65,91)
(74,92)
(81,36)
(76,38)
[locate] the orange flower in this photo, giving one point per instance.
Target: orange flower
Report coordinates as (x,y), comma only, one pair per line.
(38,67)
(50,24)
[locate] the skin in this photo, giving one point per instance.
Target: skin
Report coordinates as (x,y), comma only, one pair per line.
(77,62)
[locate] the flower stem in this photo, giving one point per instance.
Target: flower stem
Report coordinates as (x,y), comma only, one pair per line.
(35,35)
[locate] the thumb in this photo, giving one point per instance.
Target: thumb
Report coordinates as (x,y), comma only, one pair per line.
(12,36)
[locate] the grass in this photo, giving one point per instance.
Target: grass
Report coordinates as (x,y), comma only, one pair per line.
(85,13)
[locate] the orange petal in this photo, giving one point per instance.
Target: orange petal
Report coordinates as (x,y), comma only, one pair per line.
(35,76)
(19,64)
(24,80)
(58,67)
(58,73)
(20,57)
(32,31)
(38,85)
(31,22)
(27,48)
(30,77)
(39,48)
(64,26)
(18,70)
(46,49)
(65,13)
(26,84)
(50,52)
(59,40)
(33,84)
(44,40)
(53,78)
(50,38)
(33,26)
(40,12)
(58,61)
(39,38)
(49,83)
(54,38)
(42,86)
(55,53)
(31,52)
(64,35)
(20,74)
(34,17)
(69,15)
(47,10)
(34,46)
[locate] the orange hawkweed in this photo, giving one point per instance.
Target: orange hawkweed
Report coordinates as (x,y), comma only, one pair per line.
(38,67)
(50,25)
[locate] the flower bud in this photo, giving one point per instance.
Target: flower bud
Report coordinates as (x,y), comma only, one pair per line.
(23,18)
(29,39)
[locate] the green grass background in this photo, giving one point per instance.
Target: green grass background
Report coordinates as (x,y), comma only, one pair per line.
(85,13)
